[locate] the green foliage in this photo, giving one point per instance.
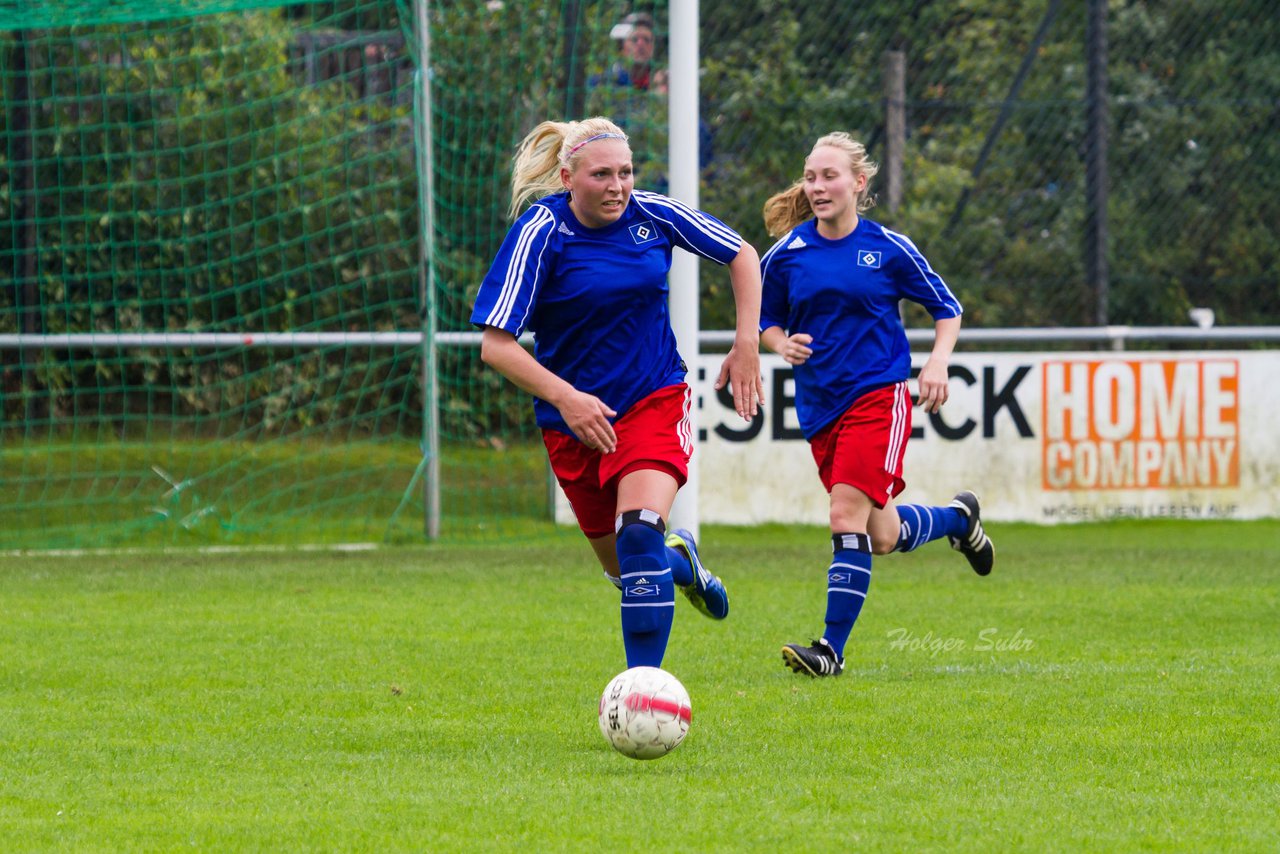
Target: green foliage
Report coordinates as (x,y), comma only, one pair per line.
(201,187)
(196,173)
(1192,171)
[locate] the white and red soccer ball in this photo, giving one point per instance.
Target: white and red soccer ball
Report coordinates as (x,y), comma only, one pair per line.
(645,712)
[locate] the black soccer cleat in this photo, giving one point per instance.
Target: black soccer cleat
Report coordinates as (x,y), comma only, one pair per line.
(817,659)
(976,546)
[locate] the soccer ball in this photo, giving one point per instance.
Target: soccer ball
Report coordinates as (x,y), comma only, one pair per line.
(645,712)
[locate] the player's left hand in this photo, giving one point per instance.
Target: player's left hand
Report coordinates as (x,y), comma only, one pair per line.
(933,386)
(741,370)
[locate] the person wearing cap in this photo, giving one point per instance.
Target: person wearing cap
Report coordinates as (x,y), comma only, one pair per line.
(634,33)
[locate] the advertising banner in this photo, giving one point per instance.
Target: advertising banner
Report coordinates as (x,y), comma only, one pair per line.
(1041,437)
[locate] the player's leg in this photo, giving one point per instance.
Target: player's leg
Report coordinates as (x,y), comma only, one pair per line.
(859,459)
(883,526)
(849,577)
(960,522)
(655,434)
(848,580)
(606,550)
(577,470)
(648,590)
(920,523)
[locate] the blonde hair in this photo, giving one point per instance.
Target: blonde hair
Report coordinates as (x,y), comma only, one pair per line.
(547,148)
(785,210)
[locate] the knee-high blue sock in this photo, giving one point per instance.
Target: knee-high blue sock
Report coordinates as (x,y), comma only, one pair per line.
(848,580)
(648,593)
(922,525)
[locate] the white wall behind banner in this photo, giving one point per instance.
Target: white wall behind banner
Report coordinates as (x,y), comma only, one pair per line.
(1041,437)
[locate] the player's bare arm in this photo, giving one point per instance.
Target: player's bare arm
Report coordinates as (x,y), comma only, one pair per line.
(933,380)
(741,368)
(587,415)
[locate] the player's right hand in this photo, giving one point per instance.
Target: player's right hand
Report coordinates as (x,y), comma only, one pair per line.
(588,418)
(797,351)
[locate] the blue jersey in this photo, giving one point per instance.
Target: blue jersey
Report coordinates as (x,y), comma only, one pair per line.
(596,298)
(845,294)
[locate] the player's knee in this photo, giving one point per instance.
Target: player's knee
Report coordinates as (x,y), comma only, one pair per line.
(639,532)
(882,545)
(850,510)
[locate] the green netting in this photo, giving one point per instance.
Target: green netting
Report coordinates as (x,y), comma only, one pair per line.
(244,172)
(37,14)
(246,167)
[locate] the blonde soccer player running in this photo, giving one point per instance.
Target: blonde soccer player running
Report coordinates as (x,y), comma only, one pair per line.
(832,284)
(584,267)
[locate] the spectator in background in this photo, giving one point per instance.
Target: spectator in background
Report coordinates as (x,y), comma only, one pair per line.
(634,70)
(634,91)
(625,92)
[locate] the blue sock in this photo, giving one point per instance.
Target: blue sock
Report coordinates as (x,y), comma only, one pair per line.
(648,593)
(922,525)
(681,568)
(848,580)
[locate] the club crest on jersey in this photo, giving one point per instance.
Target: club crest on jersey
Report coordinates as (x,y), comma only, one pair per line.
(868,258)
(643,232)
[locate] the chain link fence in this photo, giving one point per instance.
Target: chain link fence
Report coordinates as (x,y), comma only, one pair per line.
(1061,164)
(249,165)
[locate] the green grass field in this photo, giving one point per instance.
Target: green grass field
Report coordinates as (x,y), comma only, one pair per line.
(184,493)
(1109,687)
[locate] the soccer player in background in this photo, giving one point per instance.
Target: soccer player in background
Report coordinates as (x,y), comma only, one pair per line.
(830,308)
(585,269)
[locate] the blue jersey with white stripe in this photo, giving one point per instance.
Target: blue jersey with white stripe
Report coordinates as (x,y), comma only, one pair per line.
(845,294)
(596,298)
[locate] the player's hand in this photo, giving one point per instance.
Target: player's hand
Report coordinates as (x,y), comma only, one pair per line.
(933,386)
(588,418)
(797,351)
(741,370)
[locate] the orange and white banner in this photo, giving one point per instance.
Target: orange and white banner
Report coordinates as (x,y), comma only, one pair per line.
(1041,437)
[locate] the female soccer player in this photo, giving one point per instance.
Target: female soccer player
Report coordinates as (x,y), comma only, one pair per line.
(830,308)
(585,268)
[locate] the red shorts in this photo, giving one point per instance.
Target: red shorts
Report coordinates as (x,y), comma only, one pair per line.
(656,433)
(864,447)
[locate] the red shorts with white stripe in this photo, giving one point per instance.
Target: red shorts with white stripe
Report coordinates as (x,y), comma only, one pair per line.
(865,446)
(656,433)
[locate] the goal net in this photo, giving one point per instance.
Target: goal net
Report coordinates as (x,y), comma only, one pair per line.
(186,198)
